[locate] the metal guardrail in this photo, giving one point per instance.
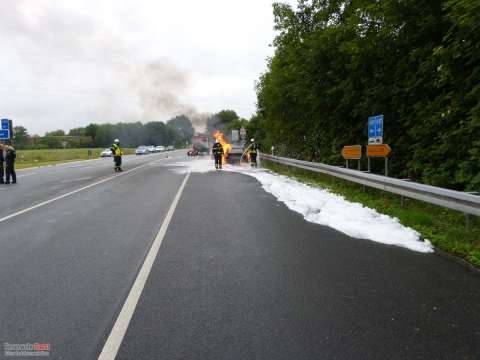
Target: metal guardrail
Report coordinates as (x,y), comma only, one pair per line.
(456,200)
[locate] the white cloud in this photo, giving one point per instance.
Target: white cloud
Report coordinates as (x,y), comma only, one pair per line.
(68,63)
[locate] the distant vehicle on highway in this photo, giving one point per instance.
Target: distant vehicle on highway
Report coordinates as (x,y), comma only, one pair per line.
(235,153)
(192,152)
(151,148)
(106,153)
(142,150)
(160,149)
(201,144)
(170,148)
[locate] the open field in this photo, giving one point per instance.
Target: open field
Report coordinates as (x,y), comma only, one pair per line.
(31,158)
(445,228)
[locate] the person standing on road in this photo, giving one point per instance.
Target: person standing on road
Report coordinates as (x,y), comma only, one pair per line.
(117,155)
(253,150)
(217,151)
(10,156)
(2,160)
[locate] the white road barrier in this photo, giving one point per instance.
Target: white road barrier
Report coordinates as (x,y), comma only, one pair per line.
(455,200)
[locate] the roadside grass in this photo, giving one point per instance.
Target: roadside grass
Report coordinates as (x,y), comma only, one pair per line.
(33,158)
(445,228)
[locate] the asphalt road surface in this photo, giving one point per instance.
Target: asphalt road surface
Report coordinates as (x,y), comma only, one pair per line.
(237,274)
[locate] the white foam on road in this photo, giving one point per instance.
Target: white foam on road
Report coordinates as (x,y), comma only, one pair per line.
(323,207)
(198,165)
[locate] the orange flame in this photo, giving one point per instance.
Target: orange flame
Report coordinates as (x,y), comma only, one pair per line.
(218,135)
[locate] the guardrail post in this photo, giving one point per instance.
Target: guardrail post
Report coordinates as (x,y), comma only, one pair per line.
(468,221)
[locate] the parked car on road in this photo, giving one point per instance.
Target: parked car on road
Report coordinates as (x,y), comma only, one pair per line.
(106,153)
(142,150)
(151,149)
(170,148)
(160,148)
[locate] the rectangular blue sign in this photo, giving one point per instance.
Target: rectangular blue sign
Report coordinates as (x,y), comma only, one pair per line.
(4,129)
(5,124)
(4,134)
(375,126)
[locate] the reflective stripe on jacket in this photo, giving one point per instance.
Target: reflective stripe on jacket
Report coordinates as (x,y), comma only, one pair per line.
(116,150)
(217,149)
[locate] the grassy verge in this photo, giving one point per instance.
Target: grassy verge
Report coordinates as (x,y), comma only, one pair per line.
(445,228)
(32,158)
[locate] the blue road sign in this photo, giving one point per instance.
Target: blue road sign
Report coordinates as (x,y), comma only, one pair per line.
(375,126)
(5,129)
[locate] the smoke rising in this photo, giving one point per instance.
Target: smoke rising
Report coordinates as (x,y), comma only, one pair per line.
(63,52)
(160,86)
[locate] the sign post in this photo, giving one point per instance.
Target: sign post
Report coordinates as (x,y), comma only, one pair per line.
(352,152)
(375,129)
(382,150)
(375,147)
(235,135)
(243,133)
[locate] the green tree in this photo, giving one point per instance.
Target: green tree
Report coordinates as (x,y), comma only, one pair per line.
(221,121)
(55,133)
(91,130)
(416,62)
(22,138)
(183,126)
(77,132)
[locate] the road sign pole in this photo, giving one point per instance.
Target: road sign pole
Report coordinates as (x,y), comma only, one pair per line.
(368,167)
(346,163)
(386,166)
(359,166)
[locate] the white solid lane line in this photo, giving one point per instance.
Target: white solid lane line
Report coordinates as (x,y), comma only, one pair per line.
(116,176)
(112,345)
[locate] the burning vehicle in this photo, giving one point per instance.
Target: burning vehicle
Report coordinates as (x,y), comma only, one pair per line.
(233,150)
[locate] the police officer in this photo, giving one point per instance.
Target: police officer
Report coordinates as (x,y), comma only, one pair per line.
(217,151)
(253,150)
(10,156)
(2,159)
(117,155)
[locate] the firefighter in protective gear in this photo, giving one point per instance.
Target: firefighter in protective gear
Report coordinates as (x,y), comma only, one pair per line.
(117,155)
(253,151)
(217,151)
(10,156)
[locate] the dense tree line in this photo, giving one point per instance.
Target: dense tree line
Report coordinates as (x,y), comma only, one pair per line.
(417,62)
(177,131)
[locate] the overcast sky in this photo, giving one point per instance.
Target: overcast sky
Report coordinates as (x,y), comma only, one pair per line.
(65,64)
